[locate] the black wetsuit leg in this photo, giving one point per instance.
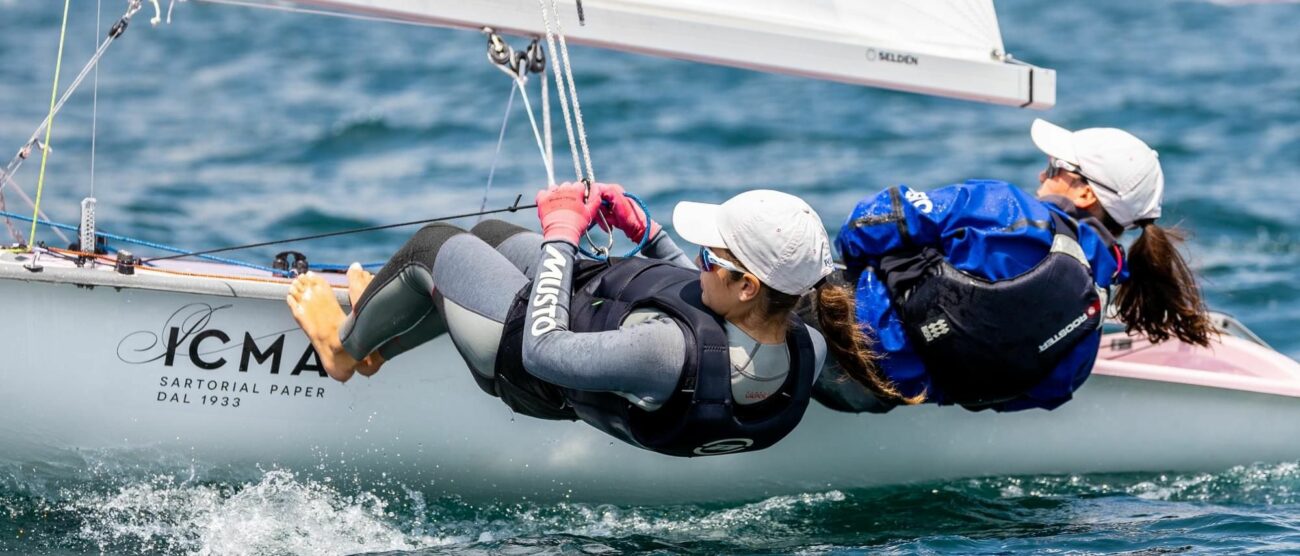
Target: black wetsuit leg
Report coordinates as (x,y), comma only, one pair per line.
(442,280)
(397,311)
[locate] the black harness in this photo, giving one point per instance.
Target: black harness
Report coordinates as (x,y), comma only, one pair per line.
(985,342)
(701,418)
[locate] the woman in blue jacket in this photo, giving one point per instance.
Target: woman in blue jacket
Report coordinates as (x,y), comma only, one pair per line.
(978,294)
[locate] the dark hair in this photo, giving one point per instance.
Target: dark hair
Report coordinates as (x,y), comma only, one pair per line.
(845,338)
(1161,298)
(848,343)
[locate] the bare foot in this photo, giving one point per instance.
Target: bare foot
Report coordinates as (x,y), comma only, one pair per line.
(317,311)
(358,280)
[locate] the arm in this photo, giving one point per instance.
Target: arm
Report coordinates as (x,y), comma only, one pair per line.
(644,360)
(664,248)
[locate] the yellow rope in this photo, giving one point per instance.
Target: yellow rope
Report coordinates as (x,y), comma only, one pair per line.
(49,126)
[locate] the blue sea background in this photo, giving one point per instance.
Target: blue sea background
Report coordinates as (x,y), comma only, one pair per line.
(233,125)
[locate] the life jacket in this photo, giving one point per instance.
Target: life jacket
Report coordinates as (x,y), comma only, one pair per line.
(985,342)
(700,418)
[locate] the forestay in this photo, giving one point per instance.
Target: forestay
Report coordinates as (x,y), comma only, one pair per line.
(950,48)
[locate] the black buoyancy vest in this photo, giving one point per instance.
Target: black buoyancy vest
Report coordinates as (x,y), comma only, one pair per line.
(701,418)
(985,342)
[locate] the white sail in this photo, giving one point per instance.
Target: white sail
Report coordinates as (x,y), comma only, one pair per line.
(950,48)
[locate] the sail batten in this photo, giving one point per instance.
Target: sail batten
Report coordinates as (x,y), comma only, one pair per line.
(950,48)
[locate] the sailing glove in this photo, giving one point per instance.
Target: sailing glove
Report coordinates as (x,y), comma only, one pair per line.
(625,214)
(566,211)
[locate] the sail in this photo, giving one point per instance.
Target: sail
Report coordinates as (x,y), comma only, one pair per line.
(950,48)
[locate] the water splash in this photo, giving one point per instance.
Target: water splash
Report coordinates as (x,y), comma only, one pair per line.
(283,513)
(278,515)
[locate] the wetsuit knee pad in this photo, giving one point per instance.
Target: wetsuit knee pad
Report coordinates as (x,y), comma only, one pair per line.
(495,232)
(423,247)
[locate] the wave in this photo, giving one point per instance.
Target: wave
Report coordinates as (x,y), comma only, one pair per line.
(284,513)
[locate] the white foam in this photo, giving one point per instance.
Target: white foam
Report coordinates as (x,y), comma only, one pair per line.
(278,515)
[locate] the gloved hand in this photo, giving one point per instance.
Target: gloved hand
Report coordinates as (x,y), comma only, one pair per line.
(624,213)
(564,213)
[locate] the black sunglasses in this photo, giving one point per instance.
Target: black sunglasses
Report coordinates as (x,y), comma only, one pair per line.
(1055,166)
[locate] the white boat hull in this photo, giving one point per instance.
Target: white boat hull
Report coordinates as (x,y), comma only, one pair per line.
(99,370)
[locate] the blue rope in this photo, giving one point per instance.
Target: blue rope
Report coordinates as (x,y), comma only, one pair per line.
(645,237)
(177,250)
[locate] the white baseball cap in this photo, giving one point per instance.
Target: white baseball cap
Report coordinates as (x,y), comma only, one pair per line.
(777,236)
(1130,184)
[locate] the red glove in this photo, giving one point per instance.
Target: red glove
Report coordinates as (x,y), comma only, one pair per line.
(565,215)
(623,213)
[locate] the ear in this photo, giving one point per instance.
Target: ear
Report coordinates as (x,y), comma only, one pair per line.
(1084,198)
(749,287)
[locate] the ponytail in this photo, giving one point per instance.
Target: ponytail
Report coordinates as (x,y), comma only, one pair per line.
(836,316)
(1160,298)
(850,346)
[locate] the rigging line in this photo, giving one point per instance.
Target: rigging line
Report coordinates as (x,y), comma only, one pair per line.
(559,90)
(501,138)
(23,195)
(512,208)
(546,128)
(521,84)
(45,149)
(94,105)
(113,33)
(547,161)
(13,231)
(152,245)
(573,92)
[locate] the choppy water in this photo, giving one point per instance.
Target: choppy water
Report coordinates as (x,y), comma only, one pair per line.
(233,126)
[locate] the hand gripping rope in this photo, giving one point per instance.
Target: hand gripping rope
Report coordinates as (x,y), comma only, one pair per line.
(602,253)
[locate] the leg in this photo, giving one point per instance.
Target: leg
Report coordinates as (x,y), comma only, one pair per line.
(476,286)
(519,245)
(358,280)
(400,299)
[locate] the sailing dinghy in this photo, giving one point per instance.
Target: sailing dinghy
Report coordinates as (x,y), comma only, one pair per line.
(185,364)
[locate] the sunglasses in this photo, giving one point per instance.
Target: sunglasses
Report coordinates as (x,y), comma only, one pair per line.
(1055,166)
(710,261)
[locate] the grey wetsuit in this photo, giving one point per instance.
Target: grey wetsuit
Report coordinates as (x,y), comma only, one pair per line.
(446,280)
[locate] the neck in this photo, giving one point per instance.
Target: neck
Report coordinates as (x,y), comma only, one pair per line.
(759,327)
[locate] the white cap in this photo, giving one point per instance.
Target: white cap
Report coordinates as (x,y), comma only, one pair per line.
(1131,184)
(777,236)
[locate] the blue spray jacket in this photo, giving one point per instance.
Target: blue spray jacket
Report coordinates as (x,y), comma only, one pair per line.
(986,228)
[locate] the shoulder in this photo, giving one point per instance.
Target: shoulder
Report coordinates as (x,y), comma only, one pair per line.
(819,346)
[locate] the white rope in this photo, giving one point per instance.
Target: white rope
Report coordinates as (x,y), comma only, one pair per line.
(573,93)
(546,125)
(519,75)
(501,138)
(547,161)
(559,90)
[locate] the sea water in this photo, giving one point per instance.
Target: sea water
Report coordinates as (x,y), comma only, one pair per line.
(232,125)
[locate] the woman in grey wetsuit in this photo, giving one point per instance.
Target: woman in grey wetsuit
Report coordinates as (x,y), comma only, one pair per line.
(653,350)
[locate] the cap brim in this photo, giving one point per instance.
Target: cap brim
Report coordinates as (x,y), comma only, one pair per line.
(1054,140)
(698,223)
